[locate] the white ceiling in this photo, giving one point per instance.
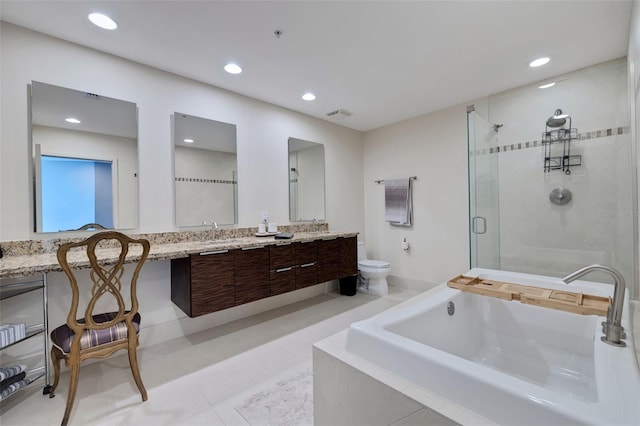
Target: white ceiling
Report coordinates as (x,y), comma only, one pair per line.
(384,61)
(51,105)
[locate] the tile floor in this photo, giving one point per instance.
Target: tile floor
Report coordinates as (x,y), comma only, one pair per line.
(199,379)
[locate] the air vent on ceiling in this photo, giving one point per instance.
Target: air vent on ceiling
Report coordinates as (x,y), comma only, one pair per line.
(339,114)
(92,95)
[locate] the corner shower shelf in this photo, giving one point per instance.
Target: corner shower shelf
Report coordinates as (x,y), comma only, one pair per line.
(565,161)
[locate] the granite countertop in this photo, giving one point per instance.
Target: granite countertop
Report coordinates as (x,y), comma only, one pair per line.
(31,264)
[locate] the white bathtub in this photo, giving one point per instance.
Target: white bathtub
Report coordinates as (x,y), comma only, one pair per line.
(511,363)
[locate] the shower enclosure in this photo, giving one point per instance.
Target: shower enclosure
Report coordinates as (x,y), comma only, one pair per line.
(484,203)
(516,220)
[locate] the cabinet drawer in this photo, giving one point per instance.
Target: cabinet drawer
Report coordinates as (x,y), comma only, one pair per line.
(306,252)
(307,275)
(282,280)
(282,256)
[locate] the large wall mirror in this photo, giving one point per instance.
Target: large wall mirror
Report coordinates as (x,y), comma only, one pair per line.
(85,160)
(206,183)
(306,180)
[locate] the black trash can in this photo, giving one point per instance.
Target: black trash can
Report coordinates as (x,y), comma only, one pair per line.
(348,285)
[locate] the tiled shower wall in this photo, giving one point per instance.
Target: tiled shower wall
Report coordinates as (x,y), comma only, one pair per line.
(537,236)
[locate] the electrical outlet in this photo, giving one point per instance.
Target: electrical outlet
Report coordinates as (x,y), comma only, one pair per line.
(265,216)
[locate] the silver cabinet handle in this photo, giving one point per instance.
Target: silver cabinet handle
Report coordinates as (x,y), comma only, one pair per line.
(474,227)
(284,269)
(252,248)
(207,253)
(306,265)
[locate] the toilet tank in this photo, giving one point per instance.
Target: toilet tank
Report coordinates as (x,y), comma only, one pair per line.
(362,251)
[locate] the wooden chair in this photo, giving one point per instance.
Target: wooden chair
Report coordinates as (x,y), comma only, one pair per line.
(101,334)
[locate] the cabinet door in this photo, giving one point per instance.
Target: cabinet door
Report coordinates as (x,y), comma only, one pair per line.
(307,261)
(252,274)
(348,256)
(282,274)
(328,260)
(212,282)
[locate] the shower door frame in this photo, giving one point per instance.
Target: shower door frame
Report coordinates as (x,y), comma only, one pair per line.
(484,203)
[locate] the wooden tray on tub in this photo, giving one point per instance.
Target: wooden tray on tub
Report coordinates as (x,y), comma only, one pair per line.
(578,303)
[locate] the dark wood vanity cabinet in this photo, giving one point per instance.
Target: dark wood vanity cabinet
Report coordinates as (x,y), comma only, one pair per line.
(252,274)
(293,266)
(203,283)
(282,268)
(328,260)
(337,258)
(348,256)
(211,281)
(307,262)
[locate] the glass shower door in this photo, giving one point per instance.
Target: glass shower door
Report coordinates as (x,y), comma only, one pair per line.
(484,230)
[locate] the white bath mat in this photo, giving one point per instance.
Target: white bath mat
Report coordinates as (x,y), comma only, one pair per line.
(288,403)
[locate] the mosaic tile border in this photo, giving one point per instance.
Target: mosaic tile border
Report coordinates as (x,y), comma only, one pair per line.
(595,134)
(201,180)
(27,247)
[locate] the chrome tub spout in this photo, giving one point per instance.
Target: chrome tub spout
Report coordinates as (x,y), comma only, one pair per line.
(612,328)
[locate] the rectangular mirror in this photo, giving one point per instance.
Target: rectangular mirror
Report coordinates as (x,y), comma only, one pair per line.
(205,163)
(85,160)
(306,180)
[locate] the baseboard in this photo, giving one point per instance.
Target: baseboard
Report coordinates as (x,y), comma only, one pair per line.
(410,283)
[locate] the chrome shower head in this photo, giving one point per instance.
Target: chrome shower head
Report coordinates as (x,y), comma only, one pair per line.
(558,119)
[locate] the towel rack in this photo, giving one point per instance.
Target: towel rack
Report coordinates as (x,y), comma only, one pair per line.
(382,180)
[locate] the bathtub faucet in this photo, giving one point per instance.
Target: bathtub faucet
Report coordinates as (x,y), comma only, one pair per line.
(612,328)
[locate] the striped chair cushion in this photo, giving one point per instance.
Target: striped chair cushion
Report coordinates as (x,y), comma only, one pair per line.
(63,335)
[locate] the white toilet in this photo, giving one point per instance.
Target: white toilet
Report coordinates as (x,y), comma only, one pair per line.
(374,272)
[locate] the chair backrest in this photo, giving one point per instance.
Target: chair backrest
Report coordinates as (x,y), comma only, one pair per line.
(106,275)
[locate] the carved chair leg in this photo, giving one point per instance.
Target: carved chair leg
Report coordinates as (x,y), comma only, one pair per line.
(55,359)
(74,373)
(133,363)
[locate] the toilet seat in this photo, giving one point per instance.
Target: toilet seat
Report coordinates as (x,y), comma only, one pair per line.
(373,264)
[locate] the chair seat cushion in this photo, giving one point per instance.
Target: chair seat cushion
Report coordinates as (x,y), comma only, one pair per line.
(63,335)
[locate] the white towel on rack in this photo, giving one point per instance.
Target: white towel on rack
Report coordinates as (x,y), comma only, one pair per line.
(397,201)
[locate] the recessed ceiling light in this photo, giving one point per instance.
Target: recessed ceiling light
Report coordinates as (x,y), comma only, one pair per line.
(233,68)
(103,21)
(189,140)
(72,120)
(546,86)
(539,62)
(309,96)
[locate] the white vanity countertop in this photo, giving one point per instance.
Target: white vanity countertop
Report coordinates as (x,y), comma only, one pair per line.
(31,264)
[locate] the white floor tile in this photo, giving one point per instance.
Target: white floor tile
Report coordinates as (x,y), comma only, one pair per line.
(201,378)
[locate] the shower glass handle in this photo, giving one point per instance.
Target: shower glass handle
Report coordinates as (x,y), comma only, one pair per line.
(479,229)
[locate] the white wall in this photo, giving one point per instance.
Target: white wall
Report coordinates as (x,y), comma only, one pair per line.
(432,147)
(262,132)
(203,200)
(633,87)
(310,174)
(537,236)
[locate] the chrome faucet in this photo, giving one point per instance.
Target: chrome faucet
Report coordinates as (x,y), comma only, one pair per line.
(214,226)
(612,328)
